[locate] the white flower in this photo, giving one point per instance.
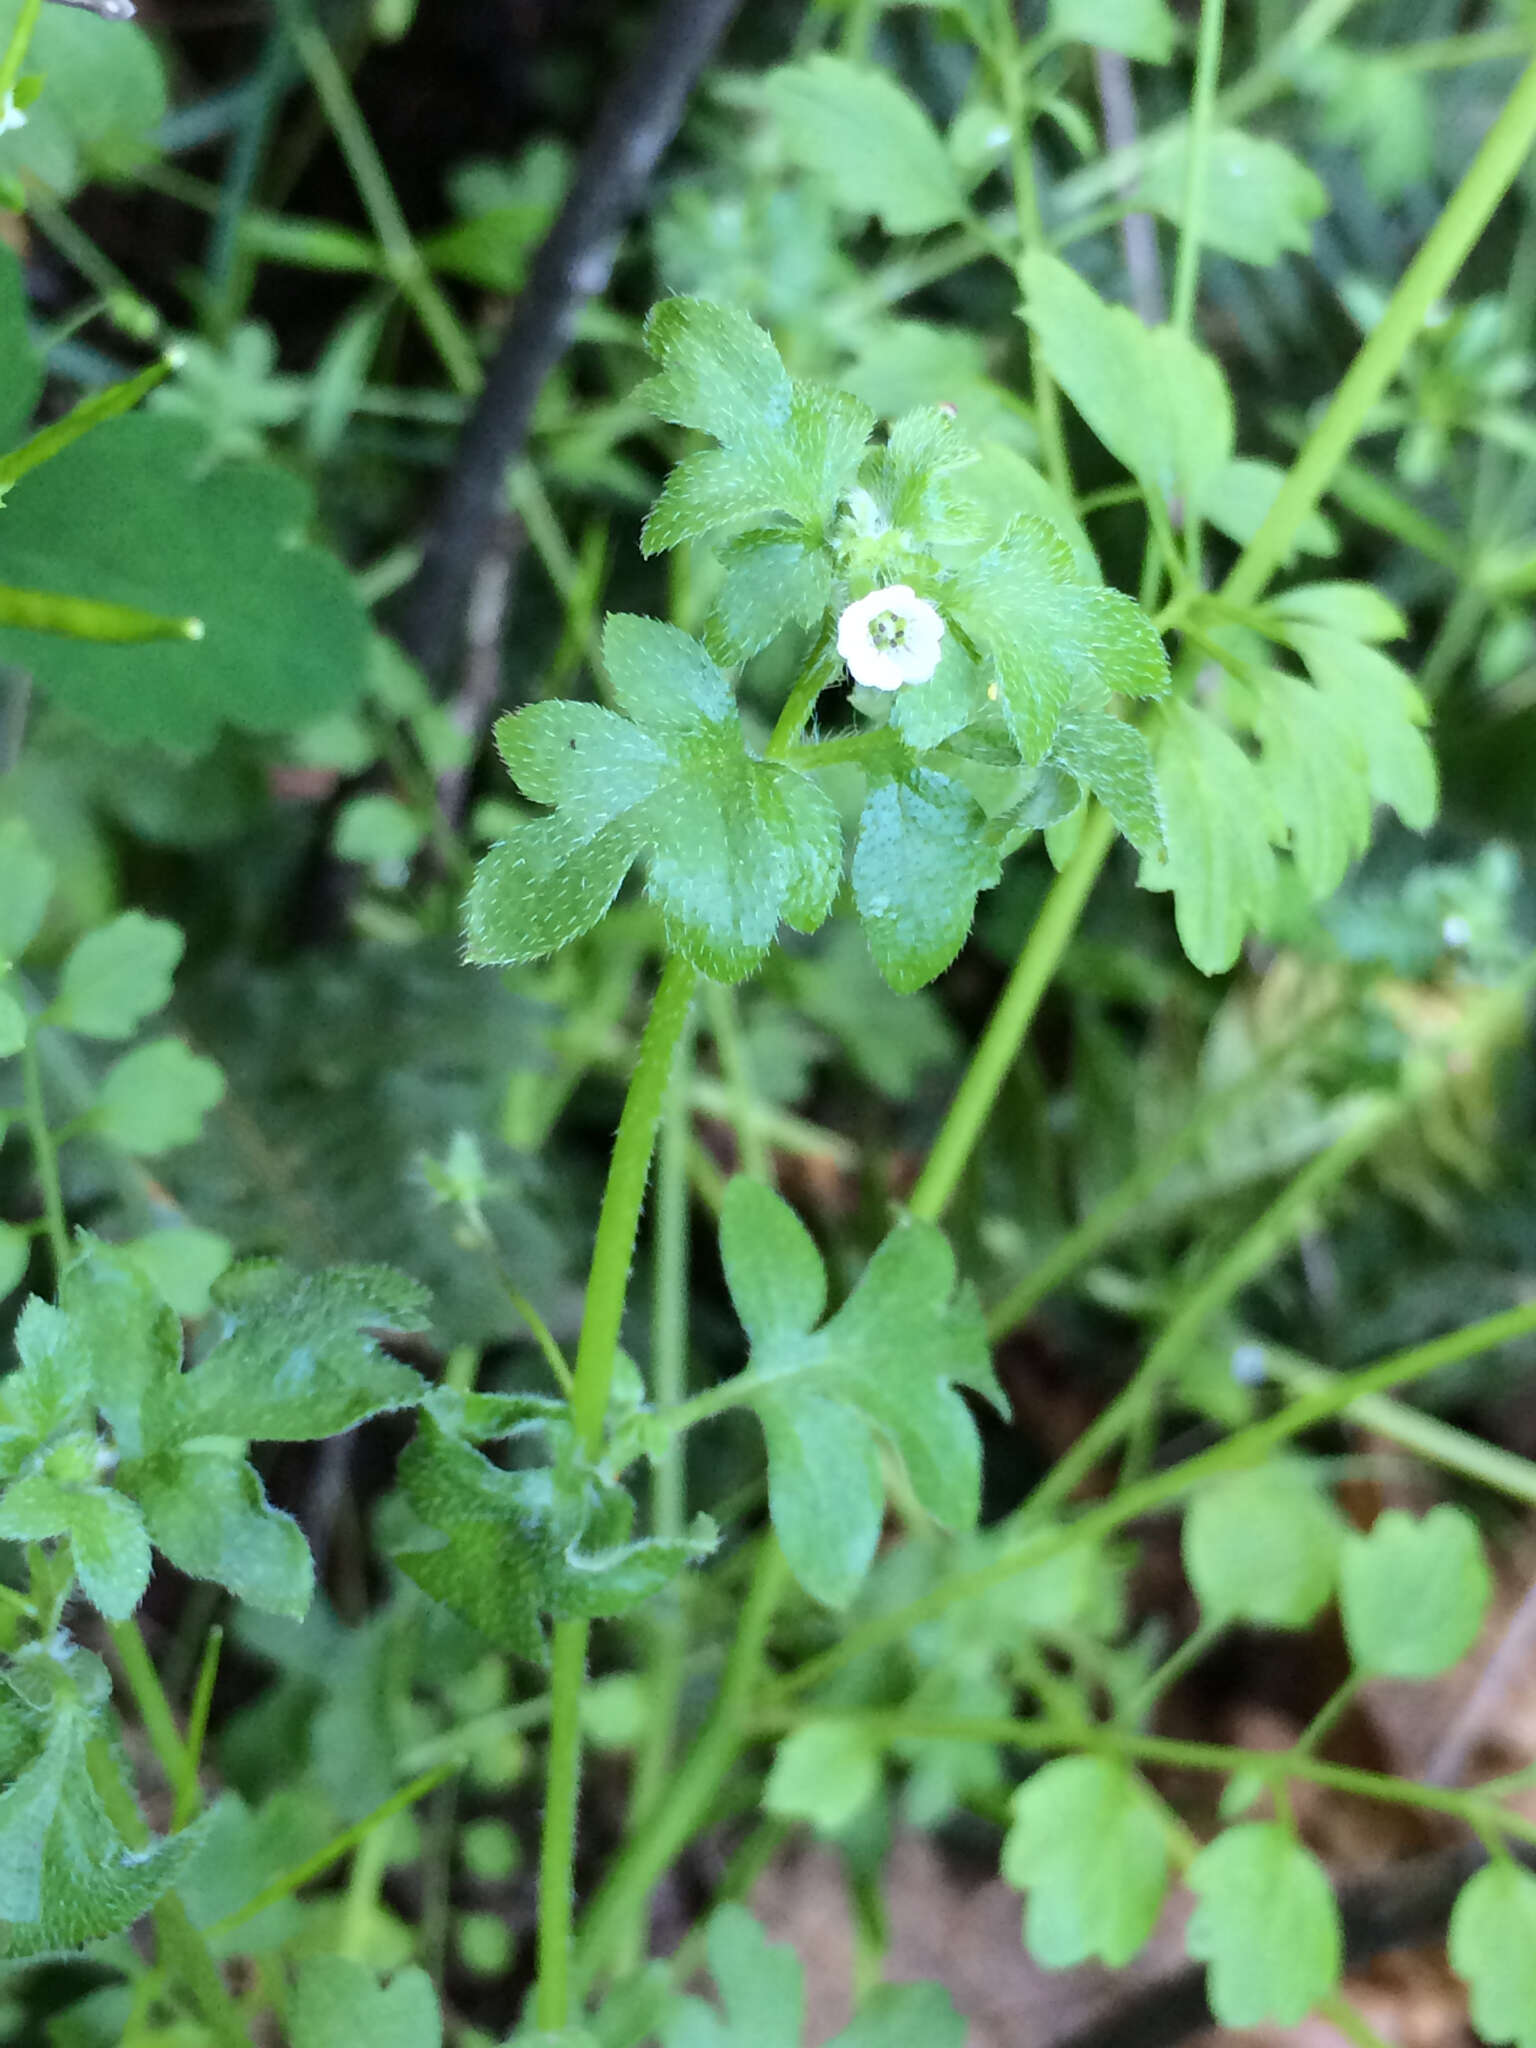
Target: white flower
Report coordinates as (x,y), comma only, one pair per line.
(11,115)
(890,637)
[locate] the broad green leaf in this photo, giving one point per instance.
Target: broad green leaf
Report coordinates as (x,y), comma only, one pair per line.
(285,639)
(300,1356)
(13,1025)
(1136,28)
(761,1987)
(1058,643)
(921,858)
(1315,767)
(735,844)
(825,1773)
(877,149)
(1262,1547)
(105,1531)
(1357,610)
(117,976)
(788,453)
(1386,713)
(1267,1925)
(505,1549)
(1257,200)
(1110,760)
(1414,1593)
(155,1097)
(1087,1845)
(1154,399)
(26,883)
(205,1508)
(122,1340)
(181,1263)
(339,2003)
(772,580)
(884,1366)
(1492,1942)
(904,2016)
(24,371)
(1219,822)
(102,100)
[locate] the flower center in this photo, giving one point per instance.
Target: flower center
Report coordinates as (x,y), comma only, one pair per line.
(888,630)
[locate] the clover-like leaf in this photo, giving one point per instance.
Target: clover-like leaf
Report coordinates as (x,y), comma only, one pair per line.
(155,1097)
(1087,1845)
(285,639)
(339,2003)
(506,1549)
(1057,641)
(1414,1593)
(117,976)
(1267,1924)
(1492,1942)
(884,1366)
(877,149)
(920,861)
(1262,1547)
(734,844)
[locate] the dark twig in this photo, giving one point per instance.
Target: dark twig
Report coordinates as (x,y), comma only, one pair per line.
(637,121)
(490,598)
(1138,231)
(1401,1907)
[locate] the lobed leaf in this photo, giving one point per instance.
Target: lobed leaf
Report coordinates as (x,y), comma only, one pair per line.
(1087,1844)
(1414,1593)
(1267,1924)
(877,149)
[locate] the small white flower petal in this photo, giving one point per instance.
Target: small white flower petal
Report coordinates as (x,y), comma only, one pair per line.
(11,116)
(890,637)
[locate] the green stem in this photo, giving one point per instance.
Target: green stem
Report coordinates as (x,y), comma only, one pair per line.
(1330,1713)
(1015,1012)
(16,49)
(607,1283)
(1162,1490)
(45,1155)
(1274,1767)
(1353,2025)
(407,265)
(1171,1670)
(189,1797)
(693,1787)
(1201,115)
(155,1711)
(820,669)
(1115,1210)
(1488,177)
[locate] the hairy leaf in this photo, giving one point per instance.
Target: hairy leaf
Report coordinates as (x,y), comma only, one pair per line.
(921,858)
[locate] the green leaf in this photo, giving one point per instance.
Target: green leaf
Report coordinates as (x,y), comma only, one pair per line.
(121,1341)
(378,831)
(878,151)
(300,1357)
(1154,399)
(49,1390)
(285,639)
(206,1510)
(904,2016)
(106,1536)
(24,370)
(1257,200)
(117,976)
(883,1366)
(1237,498)
(102,100)
(1058,643)
(15,1257)
(67,1877)
(181,1263)
(1315,766)
(1218,822)
(1492,1941)
(155,1097)
(1384,710)
(761,1987)
(735,844)
(825,1773)
(26,883)
(1111,760)
(1136,28)
(1414,1593)
(921,858)
(338,2003)
(1087,1845)
(13,1025)
(772,580)
(788,453)
(1267,1925)
(504,1549)
(1262,1547)
(1357,610)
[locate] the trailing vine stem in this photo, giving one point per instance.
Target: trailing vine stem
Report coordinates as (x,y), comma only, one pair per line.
(607,1283)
